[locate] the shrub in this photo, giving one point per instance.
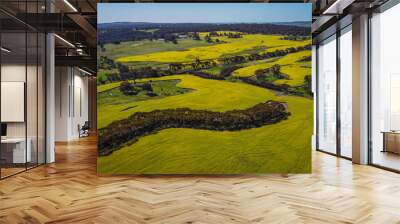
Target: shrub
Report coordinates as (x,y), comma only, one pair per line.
(127,88)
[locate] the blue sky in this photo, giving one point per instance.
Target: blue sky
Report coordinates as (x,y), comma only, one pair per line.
(203,12)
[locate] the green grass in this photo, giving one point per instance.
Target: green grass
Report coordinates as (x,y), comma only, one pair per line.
(102,74)
(282,147)
(161,88)
(213,70)
(108,86)
(131,48)
(213,95)
(112,85)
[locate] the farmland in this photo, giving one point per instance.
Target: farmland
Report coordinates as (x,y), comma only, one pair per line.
(248,42)
(219,71)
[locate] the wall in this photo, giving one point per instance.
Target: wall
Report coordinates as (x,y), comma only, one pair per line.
(16,72)
(71,102)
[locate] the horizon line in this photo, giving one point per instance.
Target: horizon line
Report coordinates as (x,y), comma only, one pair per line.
(207,22)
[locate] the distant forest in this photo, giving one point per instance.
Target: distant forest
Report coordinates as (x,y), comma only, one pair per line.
(120,32)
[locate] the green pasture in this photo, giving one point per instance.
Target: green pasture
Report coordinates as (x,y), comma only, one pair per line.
(283,147)
(161,88)
(131,48)
(213,95)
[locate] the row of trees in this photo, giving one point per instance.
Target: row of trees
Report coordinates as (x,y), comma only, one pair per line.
(111,33)
(304,59)
(225,72)
(301,90)
(196,65)
(104,62)
(140,124)
(226,34)
(295,37)
(261,56)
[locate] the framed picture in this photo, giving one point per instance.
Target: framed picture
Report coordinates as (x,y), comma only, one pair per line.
(204,88)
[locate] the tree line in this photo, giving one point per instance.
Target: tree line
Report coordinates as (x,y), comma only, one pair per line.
(302,90)
(136,31)
(139,124)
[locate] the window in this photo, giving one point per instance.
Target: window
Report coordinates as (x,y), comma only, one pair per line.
(22,77)
(385,89)
(345,43)
(326,101)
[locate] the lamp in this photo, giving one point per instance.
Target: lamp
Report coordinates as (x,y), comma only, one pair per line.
(70,5)
(64,40)
(5,50)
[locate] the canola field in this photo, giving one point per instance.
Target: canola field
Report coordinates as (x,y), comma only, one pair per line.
(290,64)
(229,46)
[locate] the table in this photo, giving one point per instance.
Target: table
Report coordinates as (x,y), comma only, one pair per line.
(16,153)
(391,141)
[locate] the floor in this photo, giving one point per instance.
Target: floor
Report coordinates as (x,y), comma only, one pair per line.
(10,171)
(5,172)
(387,159)
(69,191)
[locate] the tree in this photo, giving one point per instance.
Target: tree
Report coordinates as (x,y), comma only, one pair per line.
(196,36)
(127,88)
(208,39)
(122,68)
(276,70)
(147,87)
(307,83)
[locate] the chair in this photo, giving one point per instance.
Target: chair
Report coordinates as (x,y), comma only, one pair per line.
(84,130)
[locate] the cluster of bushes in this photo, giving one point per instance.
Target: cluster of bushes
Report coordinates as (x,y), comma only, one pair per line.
(295,37)
(140,124)
(104,77)
(145,72)
(271,73)
(104,62)
(196,65)
(216,34)
(225,72)
(307,58)
(206,75)
(302,90)
(128,88)
(266,84)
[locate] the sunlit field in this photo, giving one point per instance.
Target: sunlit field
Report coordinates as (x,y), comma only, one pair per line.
(281,147)
(291,65)
(247,42)
(207,94)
